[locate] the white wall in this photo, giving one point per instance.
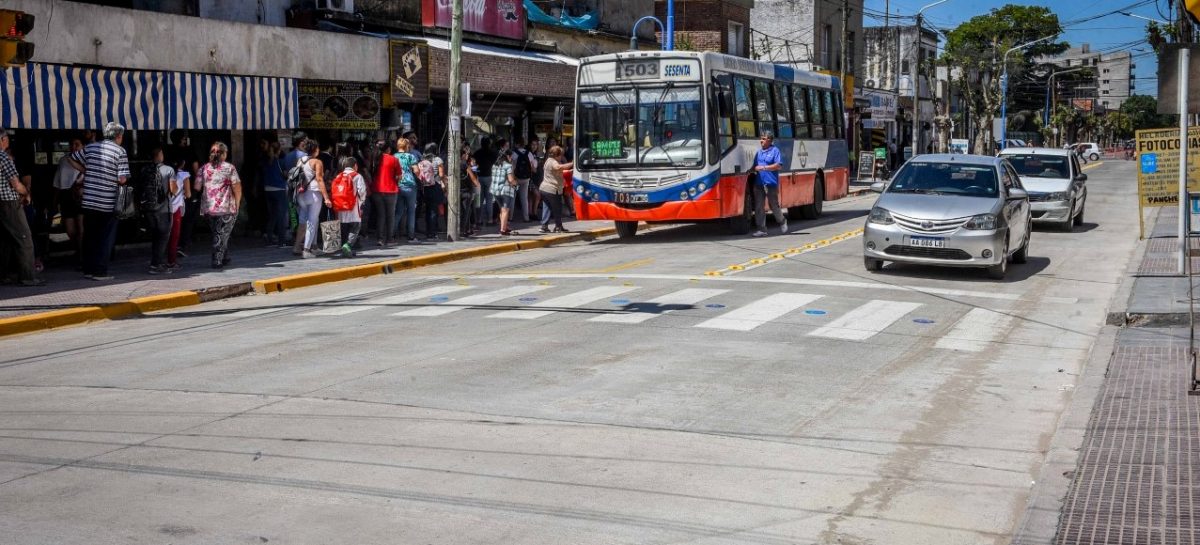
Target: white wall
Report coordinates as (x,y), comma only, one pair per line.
(76,33)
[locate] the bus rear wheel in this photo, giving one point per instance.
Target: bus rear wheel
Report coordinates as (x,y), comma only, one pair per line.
(813,211)
(626,229)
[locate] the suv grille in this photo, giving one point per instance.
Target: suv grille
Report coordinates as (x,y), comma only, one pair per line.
(930,253)
(1039,197)
(929,227)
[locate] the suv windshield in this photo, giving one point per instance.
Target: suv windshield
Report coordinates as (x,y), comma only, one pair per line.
(1040,166)
(646,127)
(945,178)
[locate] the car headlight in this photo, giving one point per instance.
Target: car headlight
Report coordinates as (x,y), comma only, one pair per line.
(982,222)
(1058,196)
(880,216)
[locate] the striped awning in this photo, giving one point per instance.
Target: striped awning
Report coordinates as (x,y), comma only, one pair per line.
(47,96)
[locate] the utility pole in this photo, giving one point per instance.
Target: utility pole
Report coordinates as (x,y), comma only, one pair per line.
(454,146)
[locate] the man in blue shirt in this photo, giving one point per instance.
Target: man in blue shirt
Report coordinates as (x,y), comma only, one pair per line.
(767,163)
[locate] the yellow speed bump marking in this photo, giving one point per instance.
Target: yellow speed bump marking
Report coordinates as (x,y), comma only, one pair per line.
(1093,165)
(778,256)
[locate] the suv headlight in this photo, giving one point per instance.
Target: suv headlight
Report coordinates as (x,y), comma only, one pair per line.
(880,216)
(982,222)
(1058,196)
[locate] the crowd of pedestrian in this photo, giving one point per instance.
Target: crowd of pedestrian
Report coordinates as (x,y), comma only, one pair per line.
(316,200)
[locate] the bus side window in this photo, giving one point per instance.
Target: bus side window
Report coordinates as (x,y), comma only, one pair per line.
(783,111)
(800,111)
(831,124)
(762,106)
(745,112)
(816,114)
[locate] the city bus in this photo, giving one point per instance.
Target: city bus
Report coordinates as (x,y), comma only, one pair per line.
(670,136)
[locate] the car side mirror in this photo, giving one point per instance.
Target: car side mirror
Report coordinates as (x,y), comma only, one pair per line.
(1081,177)
(1017,193)
(878,187)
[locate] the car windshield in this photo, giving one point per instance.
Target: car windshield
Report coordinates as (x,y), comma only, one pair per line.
(945,178)
(1040,166)
(649,126)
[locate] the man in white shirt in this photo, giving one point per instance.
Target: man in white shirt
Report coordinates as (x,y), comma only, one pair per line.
(67,198)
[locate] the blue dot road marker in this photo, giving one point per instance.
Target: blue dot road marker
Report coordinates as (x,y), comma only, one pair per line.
(815,312)
(439,299)
(923,321)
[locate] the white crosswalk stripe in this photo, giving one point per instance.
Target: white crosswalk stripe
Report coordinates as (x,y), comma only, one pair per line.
(572,300)
(759,312)
(660,305)
(472,300)
(866,321)
(976,330)
(342,310)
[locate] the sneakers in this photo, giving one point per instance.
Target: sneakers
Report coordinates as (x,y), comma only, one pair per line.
(99,277)
(180,253)
(759,234)
(783,228)
(306,254)
(347,251)
(157,269)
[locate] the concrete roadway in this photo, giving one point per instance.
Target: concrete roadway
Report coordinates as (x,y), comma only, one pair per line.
(593,393)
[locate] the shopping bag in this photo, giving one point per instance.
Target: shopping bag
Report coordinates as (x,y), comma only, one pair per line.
(331,236)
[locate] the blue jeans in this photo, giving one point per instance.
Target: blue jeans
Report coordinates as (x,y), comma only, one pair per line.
(486,201)
(433,197)
(277,216)
(406,211)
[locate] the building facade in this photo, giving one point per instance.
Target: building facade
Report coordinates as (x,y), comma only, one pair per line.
(1113,81)
(722,26)
(891,56)
(810,34)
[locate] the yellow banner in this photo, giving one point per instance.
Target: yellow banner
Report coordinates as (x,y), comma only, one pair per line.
(1158,166)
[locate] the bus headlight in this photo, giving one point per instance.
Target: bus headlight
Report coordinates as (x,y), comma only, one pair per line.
(692,191)
(683,195)
(701,187)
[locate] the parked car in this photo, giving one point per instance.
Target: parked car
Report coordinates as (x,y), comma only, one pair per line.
(1055,183)
(1087,150)
(950,210)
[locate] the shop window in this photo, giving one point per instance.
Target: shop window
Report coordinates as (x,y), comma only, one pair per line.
(762,107)
(800,111)
(783,109)
(745,111)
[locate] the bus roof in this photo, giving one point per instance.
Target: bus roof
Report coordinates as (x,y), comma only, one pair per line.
(728,63)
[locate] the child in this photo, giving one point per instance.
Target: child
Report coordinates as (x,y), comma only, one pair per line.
(348,194)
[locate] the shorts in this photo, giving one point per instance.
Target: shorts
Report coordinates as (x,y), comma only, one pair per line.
(506,201)
(68,203)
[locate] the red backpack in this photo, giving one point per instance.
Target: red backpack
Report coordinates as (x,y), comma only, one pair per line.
(342,192)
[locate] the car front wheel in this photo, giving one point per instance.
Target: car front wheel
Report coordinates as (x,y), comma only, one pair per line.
(999,270)
(873,265)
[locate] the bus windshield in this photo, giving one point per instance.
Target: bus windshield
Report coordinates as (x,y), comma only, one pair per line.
(640,127)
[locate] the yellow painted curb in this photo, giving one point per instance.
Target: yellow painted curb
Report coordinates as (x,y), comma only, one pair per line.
(50,320)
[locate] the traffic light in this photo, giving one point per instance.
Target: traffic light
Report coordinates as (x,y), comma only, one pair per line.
(15,25)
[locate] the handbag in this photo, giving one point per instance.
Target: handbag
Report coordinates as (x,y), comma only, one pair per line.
(126,206)
(331,236)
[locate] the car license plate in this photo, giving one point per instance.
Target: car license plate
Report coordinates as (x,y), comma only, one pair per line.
(927,242)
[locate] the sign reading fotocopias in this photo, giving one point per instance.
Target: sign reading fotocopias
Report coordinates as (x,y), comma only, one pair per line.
(409,79)
(333,105)
(1158,166)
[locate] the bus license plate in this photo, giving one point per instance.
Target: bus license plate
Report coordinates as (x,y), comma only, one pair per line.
(927,242)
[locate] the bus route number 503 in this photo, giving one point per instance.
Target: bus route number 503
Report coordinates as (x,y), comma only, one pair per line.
(637,70)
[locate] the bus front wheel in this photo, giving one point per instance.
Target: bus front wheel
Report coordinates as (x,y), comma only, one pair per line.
(741,223)
(626,229)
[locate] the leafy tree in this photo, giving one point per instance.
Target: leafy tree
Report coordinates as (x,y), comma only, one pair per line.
(1115,125)
(977,46)
(1143,113)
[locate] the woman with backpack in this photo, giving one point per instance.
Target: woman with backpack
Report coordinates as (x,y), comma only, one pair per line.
(504,189)
(433,188)
(309,198)
(406,203)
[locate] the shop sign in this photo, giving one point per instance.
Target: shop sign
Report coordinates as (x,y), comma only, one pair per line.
(334,105)
(1158,162)
(503,18)
(883,104)
(409,80)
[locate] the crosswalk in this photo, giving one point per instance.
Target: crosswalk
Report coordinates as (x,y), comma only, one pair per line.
(847,320)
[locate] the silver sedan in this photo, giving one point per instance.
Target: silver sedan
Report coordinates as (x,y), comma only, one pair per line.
(950,210)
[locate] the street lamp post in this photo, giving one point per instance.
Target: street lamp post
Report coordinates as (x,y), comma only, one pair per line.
(1004,88)
(916,81)
(1050,103)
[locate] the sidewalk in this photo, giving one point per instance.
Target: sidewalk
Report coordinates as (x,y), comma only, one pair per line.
(66,287)
(1138,474)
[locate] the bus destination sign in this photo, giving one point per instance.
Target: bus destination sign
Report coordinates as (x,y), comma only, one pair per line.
(607,149)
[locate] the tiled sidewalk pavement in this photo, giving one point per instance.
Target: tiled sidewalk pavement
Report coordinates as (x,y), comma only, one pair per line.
(1138,479)
(66,287)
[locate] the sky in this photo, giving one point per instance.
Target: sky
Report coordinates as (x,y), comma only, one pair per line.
(1103,34)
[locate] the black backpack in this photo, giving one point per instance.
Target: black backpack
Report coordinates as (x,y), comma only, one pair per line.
(296,179)
(522,170)
(150,190)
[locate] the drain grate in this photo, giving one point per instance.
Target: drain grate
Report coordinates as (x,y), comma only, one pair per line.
(1138,480)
